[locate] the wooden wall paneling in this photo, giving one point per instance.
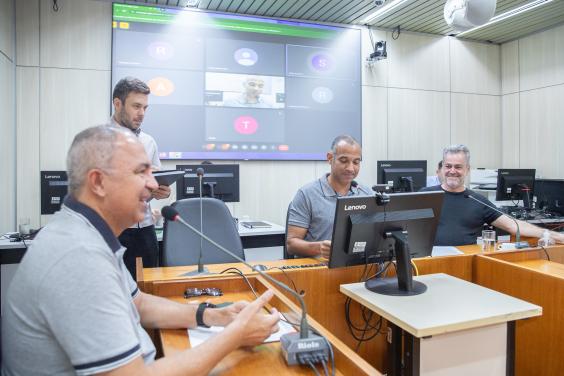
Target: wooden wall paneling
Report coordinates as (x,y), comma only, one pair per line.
(268,187)
(418,125)
(476,123)
(83,25)
(374,132)
(27,32)
(418,62)
(510,132)
(7,28)
(542,133)
(7,214)
(516,256)
(541,59)
(28,173)
(377,75)
(475,67)
(538,340)
(71,100)
(510,67)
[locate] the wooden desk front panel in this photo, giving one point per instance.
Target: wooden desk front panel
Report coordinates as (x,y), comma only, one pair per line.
(539,339)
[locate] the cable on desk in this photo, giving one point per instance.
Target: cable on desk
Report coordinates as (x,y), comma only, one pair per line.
(249,283)
(544,249)
(414,267)
(315,369)
(291,280)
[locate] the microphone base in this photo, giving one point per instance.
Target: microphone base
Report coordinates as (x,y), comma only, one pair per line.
(195,272)
(294,348)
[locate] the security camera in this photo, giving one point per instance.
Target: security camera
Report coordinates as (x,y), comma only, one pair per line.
(379,3)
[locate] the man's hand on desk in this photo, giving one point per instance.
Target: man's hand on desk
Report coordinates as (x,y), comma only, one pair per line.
(255,325)
(325,249)
(224,316)
(162,192)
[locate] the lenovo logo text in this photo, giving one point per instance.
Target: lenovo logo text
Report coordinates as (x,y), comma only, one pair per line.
(356,207)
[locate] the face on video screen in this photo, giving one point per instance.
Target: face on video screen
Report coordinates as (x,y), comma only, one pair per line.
(236,87)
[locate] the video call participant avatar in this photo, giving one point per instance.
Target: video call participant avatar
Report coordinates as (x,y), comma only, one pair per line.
(131,99)
(73,308)
(251,97)
(312,212)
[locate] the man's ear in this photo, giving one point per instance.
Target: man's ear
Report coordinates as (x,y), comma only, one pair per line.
(96,181)
(117,103)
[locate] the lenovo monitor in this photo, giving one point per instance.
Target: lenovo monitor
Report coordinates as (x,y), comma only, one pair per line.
(402,176)
(366,232)
(515,185)
(220,181)
(550,195)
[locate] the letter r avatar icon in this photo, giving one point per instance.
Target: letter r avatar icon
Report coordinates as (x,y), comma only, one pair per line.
(245,125)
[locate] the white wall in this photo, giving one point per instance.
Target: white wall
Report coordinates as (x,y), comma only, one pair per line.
(532,104)
(7,131)
(429,93)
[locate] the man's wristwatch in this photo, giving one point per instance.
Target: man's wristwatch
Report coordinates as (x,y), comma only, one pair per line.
(200,314)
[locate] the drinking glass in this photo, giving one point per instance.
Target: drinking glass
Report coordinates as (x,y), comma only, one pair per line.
(24,226)
(488,237)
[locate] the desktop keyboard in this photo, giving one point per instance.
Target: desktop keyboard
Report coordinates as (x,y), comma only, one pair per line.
(303,266)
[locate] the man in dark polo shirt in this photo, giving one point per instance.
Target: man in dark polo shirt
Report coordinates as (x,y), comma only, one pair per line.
(73,308)
(461,217)
(312,212)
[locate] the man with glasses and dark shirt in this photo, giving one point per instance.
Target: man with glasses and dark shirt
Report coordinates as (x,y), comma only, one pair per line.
(461,217)
(312,212)
(73,308)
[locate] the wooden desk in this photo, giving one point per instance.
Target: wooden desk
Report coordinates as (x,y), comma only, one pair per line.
(266,359)
(499,271)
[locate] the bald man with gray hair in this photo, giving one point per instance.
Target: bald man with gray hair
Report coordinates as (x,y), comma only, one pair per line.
(312,212)
(73,308)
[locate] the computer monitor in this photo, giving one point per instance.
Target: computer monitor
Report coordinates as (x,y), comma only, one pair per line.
(54,188)
(515,185)
(550,195)
(365,232)
(220,181)
(402,176)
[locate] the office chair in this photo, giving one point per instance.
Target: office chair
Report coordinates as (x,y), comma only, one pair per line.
(181,246)
(286,254)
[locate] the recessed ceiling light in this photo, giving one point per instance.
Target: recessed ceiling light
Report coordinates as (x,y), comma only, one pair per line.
(383,10)
(511,13)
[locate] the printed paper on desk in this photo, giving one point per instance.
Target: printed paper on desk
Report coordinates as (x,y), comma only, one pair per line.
(200,335)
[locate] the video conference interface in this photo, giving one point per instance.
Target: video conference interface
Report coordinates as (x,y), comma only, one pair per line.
(234,87)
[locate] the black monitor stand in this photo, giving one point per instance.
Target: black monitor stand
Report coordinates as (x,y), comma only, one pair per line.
(404,285)
(408,181)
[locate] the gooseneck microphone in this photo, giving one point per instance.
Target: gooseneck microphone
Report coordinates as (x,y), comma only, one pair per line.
(291,343)
(201,268)
(357,186)
(518,235)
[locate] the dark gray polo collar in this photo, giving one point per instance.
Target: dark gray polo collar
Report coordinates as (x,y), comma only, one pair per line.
(328,191)
(96,221)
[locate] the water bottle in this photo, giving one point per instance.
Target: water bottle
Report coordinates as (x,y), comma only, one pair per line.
(546,239)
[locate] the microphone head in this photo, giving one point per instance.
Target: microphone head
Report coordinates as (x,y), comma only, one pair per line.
(200,172)
(170,213)
(354,184)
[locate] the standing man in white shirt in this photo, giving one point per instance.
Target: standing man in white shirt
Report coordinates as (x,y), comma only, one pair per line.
(131,99)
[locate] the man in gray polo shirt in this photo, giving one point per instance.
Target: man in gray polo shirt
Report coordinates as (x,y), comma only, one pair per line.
(312,212)
(73,308)
(131,99)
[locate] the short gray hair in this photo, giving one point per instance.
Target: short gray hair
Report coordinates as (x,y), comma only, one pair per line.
(343,138)
(455,149)
(128,84)
(93,148)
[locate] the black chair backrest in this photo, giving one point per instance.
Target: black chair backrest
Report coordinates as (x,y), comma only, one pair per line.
(181,246)
(286,254)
